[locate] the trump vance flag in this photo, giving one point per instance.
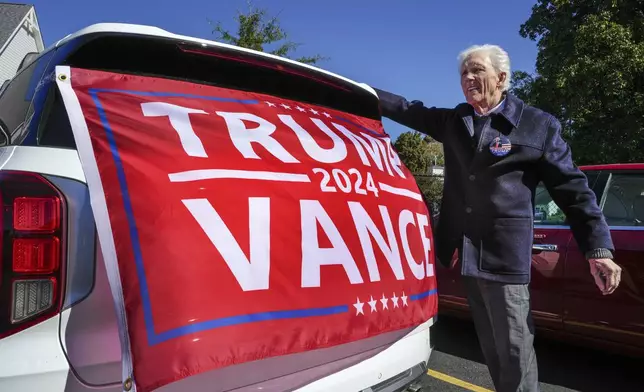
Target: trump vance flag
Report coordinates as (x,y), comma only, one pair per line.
(237,226)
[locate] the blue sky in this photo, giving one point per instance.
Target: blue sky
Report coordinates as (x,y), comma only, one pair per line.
(406,46)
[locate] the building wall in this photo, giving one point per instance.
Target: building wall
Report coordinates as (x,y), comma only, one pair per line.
(21,44)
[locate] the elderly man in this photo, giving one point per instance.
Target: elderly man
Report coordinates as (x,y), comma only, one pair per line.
(497,149)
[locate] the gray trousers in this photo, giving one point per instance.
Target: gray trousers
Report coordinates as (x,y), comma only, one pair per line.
(504,326)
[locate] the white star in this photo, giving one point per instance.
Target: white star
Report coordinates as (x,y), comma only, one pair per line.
(384,301)
(270,104)
(300,109)
(394,299)
(358,305)
(285,106)
(313,111)
(327,114)
(404,299)
(372,304)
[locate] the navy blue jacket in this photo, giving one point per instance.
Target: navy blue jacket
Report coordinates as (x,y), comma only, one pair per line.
(488,201)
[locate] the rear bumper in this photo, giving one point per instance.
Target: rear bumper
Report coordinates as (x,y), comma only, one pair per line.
(400,382)
(391,370)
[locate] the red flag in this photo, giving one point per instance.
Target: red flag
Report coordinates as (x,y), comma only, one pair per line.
(240,226)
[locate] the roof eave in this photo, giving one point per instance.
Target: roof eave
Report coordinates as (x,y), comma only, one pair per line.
(17,28)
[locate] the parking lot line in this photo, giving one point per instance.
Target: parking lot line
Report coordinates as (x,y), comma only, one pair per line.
(456,381)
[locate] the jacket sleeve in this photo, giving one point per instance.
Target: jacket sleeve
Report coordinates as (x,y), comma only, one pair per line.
(569,189)
(430,121)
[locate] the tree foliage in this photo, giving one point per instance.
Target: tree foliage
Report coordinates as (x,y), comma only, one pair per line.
(432,187)
(590,75)
(412,150)
(257,31)
(434,152)
(419,152)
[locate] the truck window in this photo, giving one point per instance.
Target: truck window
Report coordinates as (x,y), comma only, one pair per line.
(16,95)
(546,211)
(15,101)
(623,203)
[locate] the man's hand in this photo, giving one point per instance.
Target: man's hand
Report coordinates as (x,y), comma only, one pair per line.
(607,274)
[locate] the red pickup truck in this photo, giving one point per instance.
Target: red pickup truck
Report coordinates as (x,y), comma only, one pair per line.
(566,302)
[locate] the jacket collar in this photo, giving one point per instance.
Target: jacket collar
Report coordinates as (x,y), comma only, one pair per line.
(512,110)
(494,110)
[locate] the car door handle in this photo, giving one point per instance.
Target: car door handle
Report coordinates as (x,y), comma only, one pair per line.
(544,248)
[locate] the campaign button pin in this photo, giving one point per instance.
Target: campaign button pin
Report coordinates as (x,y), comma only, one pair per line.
(500,146)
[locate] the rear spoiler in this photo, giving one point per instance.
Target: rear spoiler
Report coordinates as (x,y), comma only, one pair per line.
(151,31)
(152,52)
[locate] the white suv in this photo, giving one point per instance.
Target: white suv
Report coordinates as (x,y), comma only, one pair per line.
(58,326)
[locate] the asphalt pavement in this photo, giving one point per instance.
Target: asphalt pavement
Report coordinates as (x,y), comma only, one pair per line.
(457,365)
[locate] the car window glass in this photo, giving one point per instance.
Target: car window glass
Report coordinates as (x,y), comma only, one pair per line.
(14,101)
(55,129)
(623,203)
(17,95)
(546,211)
(170,59)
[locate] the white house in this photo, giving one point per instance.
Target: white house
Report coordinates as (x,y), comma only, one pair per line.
(19,35)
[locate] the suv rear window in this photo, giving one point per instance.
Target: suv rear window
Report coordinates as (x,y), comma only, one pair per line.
(172,59)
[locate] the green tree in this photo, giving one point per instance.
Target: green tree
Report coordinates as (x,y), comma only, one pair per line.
(590,75)
(418,153)
(412,149)
(434,152)
(432,187)
(257,31)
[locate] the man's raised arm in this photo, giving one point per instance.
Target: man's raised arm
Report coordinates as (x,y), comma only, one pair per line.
(414,115)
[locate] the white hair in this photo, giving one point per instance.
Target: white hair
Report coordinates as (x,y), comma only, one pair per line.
(498,57)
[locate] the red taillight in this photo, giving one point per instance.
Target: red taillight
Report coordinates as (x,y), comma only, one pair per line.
(36,255)
(36,213)
(31,251)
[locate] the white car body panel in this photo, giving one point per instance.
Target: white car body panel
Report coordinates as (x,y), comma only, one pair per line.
(86,335)
(405,353)
(32,360)
(59,162)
